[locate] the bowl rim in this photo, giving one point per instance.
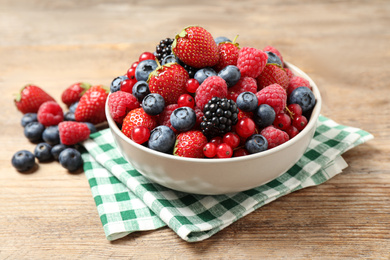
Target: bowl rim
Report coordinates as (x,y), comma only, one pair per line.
(312,123)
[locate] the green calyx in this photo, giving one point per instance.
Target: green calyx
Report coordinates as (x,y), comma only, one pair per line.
(85,86)
(156,72)
(18,96)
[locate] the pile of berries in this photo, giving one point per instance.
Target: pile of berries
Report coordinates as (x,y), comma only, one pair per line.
(198,97)
(56,133)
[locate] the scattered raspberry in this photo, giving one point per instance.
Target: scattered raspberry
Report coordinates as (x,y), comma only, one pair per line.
(251,62)
(164,117)
(120,103)
(274,50)
(245,84)
(273,95)
(138,117)
(50,113)
(213,86)
(272,74)
(73,132)
(297,82)
(190,144)
(274,136)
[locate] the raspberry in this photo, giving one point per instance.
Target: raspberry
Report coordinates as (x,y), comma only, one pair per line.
(120,103)
(273,95)
(73,132)
(50,113)
(165,116)
(213,86)
(297,82)
(251,62)
(199,117)
(245,84)
(274,50)
(273,74)
(274,136)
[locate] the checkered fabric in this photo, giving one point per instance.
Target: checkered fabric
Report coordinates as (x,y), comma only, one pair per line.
(128,202)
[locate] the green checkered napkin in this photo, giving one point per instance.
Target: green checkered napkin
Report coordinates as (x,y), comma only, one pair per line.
(128,202)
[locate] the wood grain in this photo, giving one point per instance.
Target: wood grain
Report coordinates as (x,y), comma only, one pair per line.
(342,45)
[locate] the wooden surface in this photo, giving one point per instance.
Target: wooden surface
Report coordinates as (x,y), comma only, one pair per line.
(343,45)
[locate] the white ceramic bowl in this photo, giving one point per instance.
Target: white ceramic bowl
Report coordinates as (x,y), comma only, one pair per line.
(218,176)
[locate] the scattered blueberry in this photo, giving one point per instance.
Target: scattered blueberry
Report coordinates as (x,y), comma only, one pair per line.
(273,58)
(203,74)
(140,90)
(72,108)
(70,159)
(33,131)
(304,97)
(183,118)
(153,104)
(51,135)
(231,74)
(28,118)
(169,59)
(92,127)
(247,101)
(220,39)
(23,160)
(57,149)
(144,68)
(116,83)
(43,152)
(256,143)
(264,115)
(69,116)
(162,139)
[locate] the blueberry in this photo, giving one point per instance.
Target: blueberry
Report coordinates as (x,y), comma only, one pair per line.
(69,116)
(256,143)
(51,135)
(203,74)
(304,97)
(33,131)
(169,59)
(92,127)
(28,118)
(72,108)
(231,74)
(153,104)
(144,68)
(273,59)
(23,160)
(247,101)
(116,83)
(70,159)
(162,139)
(57,149)
(264,115)
(220,39)
(43,152)
(140,90)
(183,118)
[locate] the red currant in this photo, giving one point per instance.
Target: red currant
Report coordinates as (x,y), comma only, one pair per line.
(131,73)
(134,65)
(192,85)
(146,56)
(140,134)
(224,151)
(216,140)
(300,122)
(127,85)
(186,100)
(245,127)
(282,121)
(295,110)
(210,150)
(292,131)
(232,139)
(240,152)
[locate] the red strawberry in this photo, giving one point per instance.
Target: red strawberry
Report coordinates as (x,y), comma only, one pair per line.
(169,81)
(74,92)
(190,144)
(244,84)
(73,132)
(251,61)
(31,97)
(228,54)
(138,117)
(120,103)
(213,86)
(50,113)
(273,74)
(91,105)
(196,47)
(274,50)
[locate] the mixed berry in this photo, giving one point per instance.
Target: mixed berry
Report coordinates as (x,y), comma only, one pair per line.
(198,96)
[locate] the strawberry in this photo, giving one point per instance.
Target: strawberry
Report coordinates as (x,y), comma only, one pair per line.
(74,92)
(228,54)
(169,81)
(190,144)
(251,61)
(273,74)
(91,105)
(31,97)
(196,47)
(73,132)
(138,117)
(120,103)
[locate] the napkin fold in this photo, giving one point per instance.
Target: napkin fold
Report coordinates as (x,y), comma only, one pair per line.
(128,202)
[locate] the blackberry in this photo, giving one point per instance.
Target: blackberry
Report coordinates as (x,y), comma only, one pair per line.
(191,70)
(164,49)
(220,114)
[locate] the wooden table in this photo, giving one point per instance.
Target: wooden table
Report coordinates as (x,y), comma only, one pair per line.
(344,46)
